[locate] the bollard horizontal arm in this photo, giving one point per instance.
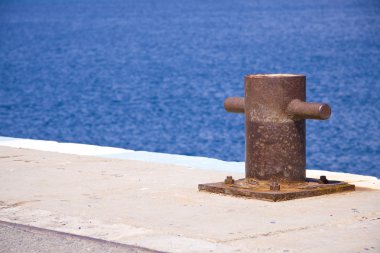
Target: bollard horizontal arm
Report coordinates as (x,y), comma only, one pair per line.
(234,104)
(305,110)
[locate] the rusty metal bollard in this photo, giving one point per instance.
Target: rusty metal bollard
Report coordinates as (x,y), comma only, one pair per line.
(275,125)
(275,112)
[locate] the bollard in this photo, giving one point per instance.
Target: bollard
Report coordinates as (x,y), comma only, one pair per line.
(275,140)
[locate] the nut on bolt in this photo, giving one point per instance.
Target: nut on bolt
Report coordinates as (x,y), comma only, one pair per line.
(229,180)
(323,180)
(274,186)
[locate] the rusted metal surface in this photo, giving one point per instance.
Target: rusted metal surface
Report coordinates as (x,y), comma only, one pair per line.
(229,180)
(267,190)
(234,104)
(303,110)
(275,142)
(274,186)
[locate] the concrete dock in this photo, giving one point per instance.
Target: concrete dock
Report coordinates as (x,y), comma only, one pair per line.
(157,206)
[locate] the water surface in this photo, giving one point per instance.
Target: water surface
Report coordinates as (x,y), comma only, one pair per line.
(152,75)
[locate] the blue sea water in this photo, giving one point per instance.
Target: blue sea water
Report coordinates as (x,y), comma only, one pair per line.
(152,74)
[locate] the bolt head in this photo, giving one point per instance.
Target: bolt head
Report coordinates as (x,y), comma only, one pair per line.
(229,180)
(323,180)
(274,186)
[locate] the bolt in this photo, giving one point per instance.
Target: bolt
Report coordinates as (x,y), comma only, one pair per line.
(229,180)
(252,181)
(323,180)
(274,186)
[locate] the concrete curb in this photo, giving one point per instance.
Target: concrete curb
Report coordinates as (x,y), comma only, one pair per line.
(191,162)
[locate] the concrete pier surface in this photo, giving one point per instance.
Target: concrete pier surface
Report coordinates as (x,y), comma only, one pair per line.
(157,206)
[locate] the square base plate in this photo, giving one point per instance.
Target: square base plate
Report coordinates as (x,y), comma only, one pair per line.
(257,189)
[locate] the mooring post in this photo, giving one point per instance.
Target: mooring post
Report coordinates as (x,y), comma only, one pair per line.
(275,114)
(275,137)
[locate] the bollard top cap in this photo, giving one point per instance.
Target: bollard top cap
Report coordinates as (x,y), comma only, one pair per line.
(274,75)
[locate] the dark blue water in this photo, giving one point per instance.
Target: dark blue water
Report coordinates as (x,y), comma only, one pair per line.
(152,75)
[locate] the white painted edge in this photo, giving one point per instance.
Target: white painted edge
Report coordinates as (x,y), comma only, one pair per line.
(193,162)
